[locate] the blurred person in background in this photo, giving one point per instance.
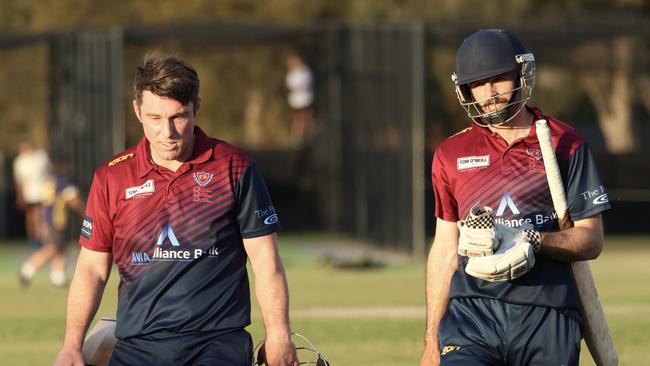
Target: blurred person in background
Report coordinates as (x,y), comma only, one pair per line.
(60,196)
(31,169)
(500,290)
(179,214)
(300,87)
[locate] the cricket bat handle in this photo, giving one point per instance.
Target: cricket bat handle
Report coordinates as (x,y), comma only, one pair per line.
(595,328)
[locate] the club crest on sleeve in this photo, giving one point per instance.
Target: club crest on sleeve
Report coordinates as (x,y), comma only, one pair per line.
(87,227)
(203,178)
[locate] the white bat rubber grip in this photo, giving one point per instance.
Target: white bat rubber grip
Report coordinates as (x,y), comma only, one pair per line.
(552,169)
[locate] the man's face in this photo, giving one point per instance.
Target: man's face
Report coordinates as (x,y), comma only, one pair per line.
(493,93)
(168,126)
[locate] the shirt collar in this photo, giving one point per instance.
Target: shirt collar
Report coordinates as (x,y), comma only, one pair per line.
(203,147)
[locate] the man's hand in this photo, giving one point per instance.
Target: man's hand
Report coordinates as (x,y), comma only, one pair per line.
(69,357)
(280,351)
(430,356)
(514,258)
(477,234)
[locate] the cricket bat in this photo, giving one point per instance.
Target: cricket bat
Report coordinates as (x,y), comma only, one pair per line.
(98,345)
(595,328)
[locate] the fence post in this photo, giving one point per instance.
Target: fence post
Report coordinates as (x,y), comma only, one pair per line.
(418,54)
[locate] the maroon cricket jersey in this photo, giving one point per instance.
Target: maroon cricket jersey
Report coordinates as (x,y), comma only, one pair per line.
(176,237)
(477,166)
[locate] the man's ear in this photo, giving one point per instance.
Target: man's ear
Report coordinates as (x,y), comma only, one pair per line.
(136,109)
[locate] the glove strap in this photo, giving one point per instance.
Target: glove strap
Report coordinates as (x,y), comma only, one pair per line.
(479,218)
(534,239)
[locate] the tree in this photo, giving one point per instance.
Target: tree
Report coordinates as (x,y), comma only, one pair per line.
(610,89)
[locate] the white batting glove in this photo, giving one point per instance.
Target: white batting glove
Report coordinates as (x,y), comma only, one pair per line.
(477,234)
(514,258)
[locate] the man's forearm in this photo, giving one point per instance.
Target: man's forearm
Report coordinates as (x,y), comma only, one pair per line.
(584,241)
(273,297)
(441,265)
(86,290)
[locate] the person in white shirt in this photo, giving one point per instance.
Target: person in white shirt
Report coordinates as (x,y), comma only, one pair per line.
(300,85)
(31,170)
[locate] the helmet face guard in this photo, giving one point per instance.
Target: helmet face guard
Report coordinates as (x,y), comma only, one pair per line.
(519,95)
(485,54)
(304,353)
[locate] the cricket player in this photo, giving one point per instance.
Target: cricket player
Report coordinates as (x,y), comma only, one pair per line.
(500,290)
(179,214)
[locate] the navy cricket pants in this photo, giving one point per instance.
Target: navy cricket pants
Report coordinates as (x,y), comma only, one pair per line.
(482,332)
(197,349)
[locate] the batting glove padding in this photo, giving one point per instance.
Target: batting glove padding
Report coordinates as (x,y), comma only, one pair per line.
(514,258)
(478,236)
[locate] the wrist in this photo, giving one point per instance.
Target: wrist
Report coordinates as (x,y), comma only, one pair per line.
(73,346)
(430,340)
(283,334)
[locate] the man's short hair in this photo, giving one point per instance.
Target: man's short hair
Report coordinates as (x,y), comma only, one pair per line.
(168,77)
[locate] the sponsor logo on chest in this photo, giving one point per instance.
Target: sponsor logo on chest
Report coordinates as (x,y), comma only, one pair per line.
(507,206)
(146,188)
(472,162)
(163,252)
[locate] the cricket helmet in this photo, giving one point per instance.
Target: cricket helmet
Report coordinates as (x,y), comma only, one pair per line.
(488,53)
(307,354)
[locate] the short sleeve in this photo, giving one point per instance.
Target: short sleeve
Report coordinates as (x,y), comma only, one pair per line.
(256,215)
(446,207)
(96,226)
(586,193)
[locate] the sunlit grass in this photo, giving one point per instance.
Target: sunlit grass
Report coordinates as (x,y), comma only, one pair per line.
(356,317)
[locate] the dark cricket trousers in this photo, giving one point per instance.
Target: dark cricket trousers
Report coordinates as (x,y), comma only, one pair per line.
(482,332)
(233,348)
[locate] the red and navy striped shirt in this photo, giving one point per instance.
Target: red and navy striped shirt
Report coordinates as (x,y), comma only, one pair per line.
(176,237)
(478,166)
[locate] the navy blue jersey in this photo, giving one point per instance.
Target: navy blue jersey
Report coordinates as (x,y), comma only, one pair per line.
(477,166)
(177,237)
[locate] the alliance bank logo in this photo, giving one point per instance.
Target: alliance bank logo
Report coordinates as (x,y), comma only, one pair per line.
(173,254)
(506,201)
(537,219)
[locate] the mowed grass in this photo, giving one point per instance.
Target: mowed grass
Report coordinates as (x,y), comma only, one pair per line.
(355,317)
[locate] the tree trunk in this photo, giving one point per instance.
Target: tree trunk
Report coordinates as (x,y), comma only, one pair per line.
(611,96)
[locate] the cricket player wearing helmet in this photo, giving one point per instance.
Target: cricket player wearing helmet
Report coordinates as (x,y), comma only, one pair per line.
(499,285)
(179,214)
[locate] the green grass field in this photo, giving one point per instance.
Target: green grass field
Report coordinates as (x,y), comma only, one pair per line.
(356,317)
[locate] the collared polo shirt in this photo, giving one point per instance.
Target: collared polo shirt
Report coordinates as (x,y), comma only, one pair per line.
(478,166)
(177,237)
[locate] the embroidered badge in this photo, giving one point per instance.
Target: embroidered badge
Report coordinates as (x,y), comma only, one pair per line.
(202,178)
(535,161)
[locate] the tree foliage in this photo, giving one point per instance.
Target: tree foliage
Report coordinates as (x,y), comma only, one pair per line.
(240,83)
